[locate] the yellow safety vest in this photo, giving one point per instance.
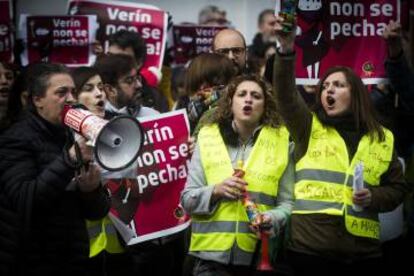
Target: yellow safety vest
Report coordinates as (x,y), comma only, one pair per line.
(263,169)
(103,236)
(324,177)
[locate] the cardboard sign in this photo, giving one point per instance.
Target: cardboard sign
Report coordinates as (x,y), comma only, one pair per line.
(146,197)
(149,21)
(192,40)
(347,33)
(59,39)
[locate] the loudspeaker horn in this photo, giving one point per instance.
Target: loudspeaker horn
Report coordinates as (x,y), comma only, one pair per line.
(116,142)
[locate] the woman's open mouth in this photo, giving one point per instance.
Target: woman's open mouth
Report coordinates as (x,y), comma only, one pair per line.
(247,109)
(100,104)
(330,101)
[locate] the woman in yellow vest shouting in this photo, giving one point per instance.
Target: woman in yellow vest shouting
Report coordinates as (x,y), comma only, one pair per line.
(245,127)
(347,170)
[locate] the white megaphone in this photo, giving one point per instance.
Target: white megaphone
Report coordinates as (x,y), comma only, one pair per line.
(116,142)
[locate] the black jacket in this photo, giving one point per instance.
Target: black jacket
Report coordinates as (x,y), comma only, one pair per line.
(35,192)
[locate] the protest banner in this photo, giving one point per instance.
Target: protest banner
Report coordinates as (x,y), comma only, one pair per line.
(6,31)
(147,20)
(146,198)
(58,39)
(346,33)
(192,40)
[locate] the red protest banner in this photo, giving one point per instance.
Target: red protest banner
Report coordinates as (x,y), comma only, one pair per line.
(62,39)
(6,33)
(347,33)
(147,20)
(192,40)
(145,200)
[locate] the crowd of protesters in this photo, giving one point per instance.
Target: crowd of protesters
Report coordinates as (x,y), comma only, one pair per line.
(255,134)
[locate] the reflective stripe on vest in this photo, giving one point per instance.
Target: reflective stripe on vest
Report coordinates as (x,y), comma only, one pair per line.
(324,177)
(103,236)
(263,169)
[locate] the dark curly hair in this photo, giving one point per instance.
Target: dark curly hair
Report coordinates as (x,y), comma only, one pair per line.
(270,116)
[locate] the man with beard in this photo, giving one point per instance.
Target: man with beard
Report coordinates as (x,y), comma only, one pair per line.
(132,44)
(265,36)
(122,85)
(232,44)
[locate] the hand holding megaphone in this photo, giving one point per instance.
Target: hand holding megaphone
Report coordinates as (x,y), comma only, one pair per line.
(116,143)
(89,178)
(85,150)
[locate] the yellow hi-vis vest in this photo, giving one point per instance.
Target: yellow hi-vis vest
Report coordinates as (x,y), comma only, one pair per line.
(263,169)
(102,236)
(324,177)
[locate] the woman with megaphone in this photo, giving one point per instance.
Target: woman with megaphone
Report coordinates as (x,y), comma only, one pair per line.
(38,168)
(240,180)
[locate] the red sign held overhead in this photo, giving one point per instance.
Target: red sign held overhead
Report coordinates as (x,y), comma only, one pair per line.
(347,33)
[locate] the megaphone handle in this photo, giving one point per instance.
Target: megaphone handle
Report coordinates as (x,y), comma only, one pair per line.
(79,159)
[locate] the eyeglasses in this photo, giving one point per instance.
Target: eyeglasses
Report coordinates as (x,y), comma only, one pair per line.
(237,51)
(130,80)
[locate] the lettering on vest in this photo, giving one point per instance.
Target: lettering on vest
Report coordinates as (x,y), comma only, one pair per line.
(365,226)
(316,192)
(262,177)
(317,134)
(216,164)
(372,172)
(327,152)
(269,145)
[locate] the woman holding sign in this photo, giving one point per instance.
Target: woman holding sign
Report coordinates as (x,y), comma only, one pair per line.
(337,139)
(246,129)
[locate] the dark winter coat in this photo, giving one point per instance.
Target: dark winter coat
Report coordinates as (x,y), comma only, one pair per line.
(36,192)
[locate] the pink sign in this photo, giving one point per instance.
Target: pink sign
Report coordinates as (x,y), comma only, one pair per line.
(61,39)
(146,204)
(192,40)
(346,33)
(6,34)
(149,21)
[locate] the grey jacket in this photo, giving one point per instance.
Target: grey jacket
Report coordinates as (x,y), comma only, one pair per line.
(196,196)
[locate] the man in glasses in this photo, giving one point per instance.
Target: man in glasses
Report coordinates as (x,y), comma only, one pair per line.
(122,85)
(132,44)
(231,43)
